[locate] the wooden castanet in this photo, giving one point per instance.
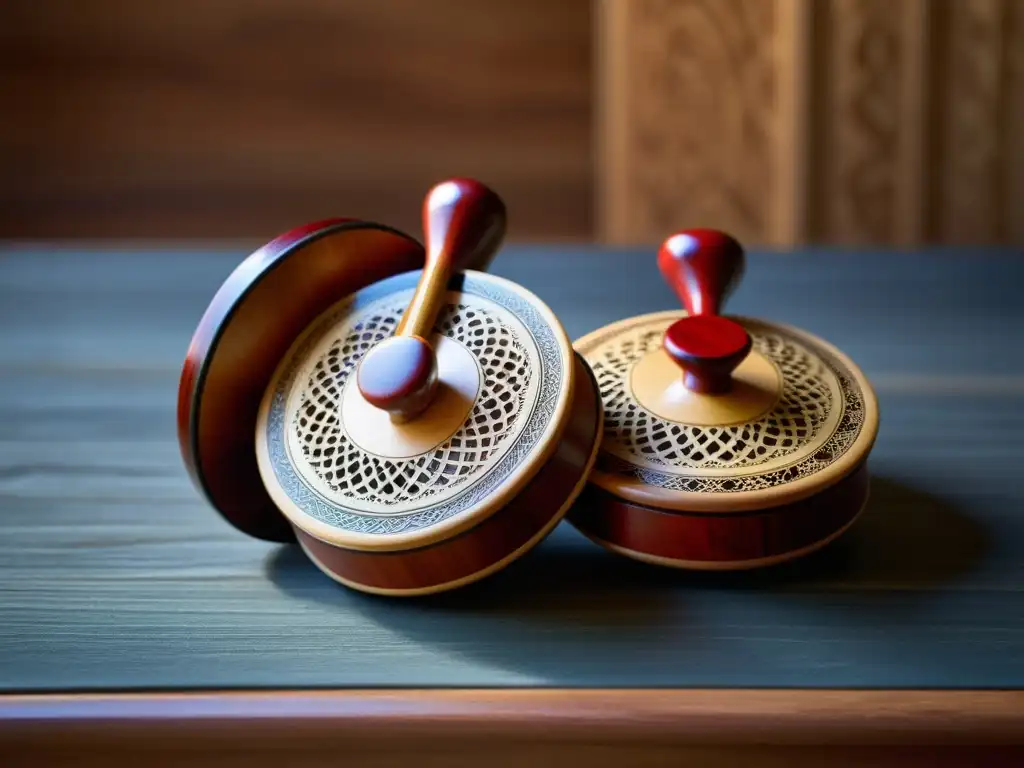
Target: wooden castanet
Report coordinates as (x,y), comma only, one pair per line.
(729,442)
(429,429)
(250,323)
(495,541)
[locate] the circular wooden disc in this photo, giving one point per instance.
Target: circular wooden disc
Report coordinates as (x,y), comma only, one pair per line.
(370,484)
(778,438)
(250,323)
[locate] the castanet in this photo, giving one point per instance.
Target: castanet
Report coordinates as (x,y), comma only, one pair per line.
(417,424)
(428,428)
(729,442)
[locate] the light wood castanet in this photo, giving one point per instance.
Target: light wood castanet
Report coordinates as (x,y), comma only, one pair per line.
(753,458)
(486,532)
(517,524)
(479,458)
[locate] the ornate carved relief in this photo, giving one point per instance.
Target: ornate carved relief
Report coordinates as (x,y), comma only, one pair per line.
(913,114)
(970,121)
(1013,165)
(859,42)
(699,111)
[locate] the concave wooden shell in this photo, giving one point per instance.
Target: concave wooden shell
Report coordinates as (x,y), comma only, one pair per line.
(741,480)
(462,490)
(251,321)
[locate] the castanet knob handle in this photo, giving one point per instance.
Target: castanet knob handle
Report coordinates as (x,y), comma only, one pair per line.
(464,223)
(703,266)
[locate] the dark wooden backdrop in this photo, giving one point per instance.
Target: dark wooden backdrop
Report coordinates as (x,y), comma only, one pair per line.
(237,118)
(787,122)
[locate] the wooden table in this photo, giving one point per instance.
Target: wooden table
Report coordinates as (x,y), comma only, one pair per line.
(133,619)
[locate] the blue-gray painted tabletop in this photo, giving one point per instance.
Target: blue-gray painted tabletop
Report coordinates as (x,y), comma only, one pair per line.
(115,574)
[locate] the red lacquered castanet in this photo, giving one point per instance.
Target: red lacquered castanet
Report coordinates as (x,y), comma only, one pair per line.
(250,323)
(703,266)
(464,223)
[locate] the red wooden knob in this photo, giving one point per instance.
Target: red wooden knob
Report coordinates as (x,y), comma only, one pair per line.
(464,223)
(703,266)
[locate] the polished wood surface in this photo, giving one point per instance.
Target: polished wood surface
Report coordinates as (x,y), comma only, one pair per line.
(250,322)
(232,118)
(464,224)
(643,728)
(116,575)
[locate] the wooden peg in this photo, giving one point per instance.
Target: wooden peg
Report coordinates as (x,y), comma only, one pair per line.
(464,223)
(703,266)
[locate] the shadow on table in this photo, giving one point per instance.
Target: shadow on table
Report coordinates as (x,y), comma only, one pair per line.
(568,592)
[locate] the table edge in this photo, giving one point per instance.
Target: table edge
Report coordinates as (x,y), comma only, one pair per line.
(691,716)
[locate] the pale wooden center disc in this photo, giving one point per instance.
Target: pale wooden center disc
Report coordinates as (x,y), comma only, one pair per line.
(372,430)
(657,385)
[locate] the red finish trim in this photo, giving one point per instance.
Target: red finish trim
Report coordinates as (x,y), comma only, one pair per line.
(726,537)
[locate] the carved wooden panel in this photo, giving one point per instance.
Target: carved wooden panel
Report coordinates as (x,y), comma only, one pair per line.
(858,45)
(976,137)
(1013,171)
(786,121)
(694,106)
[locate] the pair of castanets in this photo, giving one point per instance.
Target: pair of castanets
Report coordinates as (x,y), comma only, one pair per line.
(416,423)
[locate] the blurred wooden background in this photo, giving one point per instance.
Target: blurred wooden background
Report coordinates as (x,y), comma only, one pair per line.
(837,121)
(785,121)
(238,118)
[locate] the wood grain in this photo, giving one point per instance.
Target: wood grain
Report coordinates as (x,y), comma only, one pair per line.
(230,118)
(690,136)
(115,575)
(505,728)
(861,46)
(974,120)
